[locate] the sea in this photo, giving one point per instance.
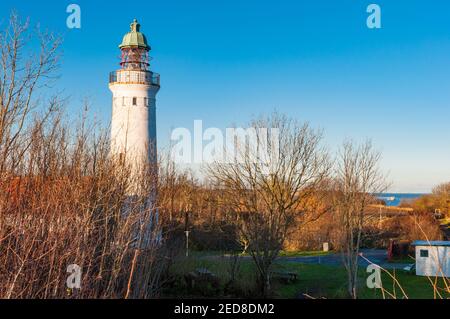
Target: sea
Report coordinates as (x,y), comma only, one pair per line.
(394,199)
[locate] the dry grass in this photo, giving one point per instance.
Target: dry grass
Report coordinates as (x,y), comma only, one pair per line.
(69,203)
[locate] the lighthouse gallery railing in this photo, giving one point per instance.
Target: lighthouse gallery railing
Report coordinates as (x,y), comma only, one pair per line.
(134,77)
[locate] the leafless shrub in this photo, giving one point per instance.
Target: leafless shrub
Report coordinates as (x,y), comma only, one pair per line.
(63,200)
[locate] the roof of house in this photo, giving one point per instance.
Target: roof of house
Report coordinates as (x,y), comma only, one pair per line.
(431,243)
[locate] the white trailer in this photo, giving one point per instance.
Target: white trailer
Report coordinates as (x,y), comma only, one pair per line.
(432,258)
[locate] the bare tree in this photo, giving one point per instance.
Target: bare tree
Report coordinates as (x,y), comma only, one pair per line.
(22,72)
(268,191)
(358,178)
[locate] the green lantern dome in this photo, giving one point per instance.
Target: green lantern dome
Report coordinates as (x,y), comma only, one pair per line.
(135,38)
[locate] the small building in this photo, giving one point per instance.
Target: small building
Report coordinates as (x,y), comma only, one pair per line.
(432,258)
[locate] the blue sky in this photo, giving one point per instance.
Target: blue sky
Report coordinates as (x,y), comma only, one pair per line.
(226,61)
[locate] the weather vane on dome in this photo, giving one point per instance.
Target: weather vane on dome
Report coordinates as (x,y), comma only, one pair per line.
(135,26)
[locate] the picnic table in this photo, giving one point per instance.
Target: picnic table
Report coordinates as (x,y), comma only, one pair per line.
(202,275)
(285,276)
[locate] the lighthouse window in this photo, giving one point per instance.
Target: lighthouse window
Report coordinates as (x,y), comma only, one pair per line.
(145,101)
(123,100)
(135,101)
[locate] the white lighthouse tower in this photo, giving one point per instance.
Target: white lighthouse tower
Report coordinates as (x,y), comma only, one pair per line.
(134,88)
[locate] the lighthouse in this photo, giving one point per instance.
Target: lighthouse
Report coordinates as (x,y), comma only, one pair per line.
(134,87)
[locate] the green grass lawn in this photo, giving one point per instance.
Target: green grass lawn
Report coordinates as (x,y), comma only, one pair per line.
(319,281)
(283,253)
(303,253)
(403,260)
(330,282)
